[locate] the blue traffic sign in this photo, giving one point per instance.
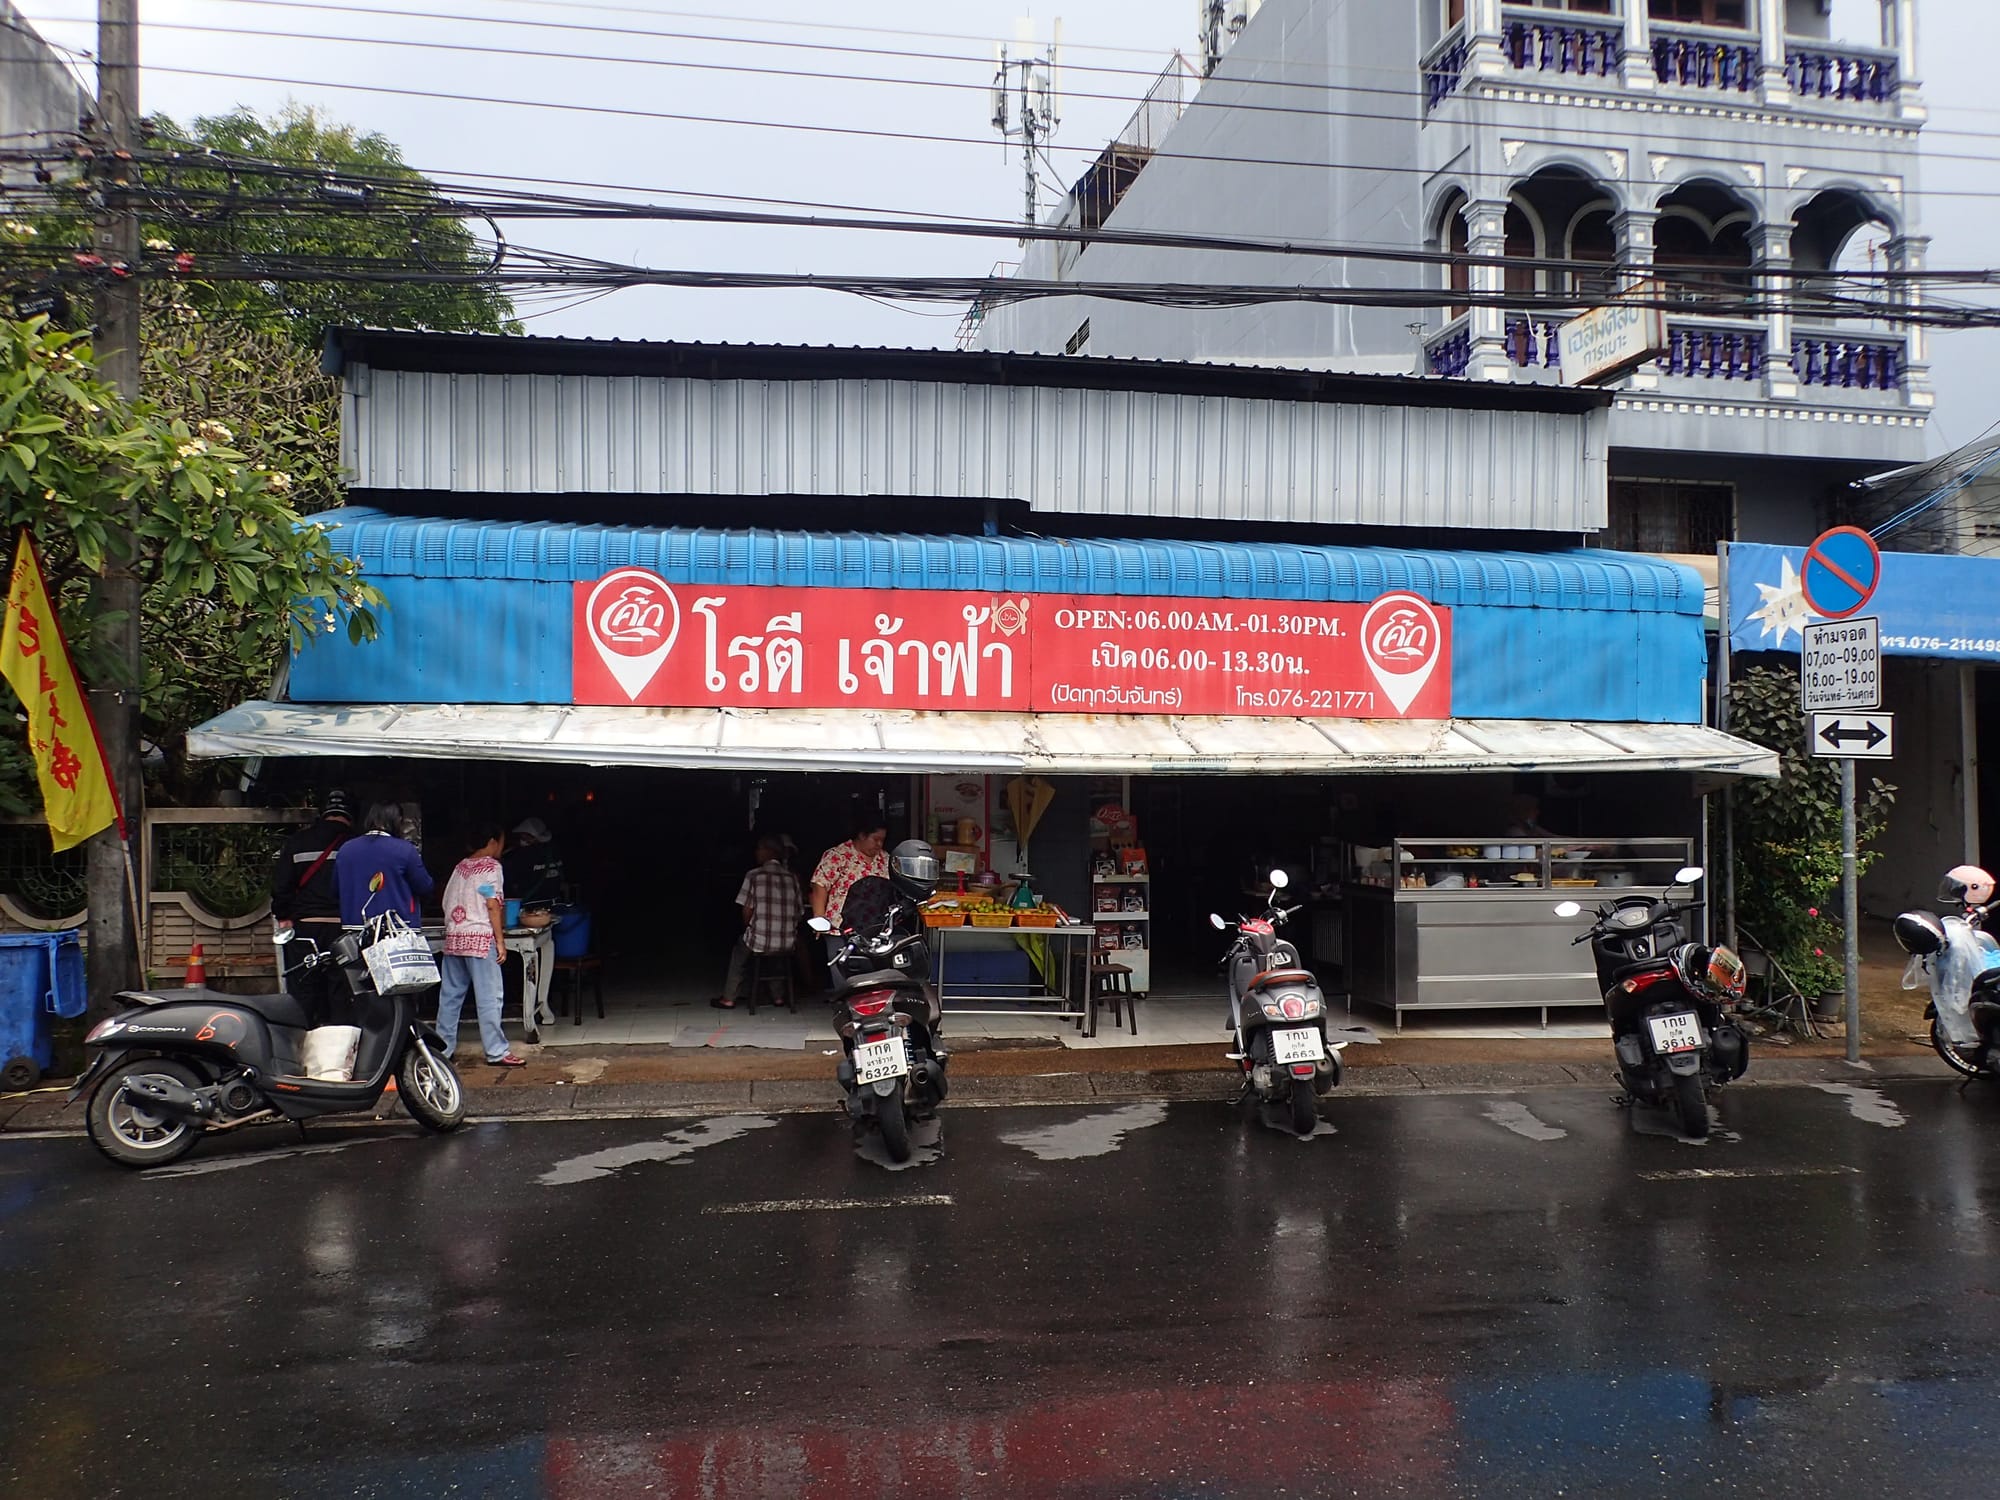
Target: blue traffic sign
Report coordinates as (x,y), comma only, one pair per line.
(1841,571)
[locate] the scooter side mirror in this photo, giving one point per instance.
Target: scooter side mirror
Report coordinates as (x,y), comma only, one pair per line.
(1569,909)
(282,935)
(1279,880)
(1215,921)
(820,925)
(1688,874)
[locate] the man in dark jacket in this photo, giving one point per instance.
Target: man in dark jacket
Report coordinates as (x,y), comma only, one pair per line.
(305,896)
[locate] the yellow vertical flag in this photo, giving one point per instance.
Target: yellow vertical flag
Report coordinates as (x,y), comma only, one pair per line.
(77,793)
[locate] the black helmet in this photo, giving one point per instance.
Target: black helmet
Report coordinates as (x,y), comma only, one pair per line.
(1920,933)
(913,869)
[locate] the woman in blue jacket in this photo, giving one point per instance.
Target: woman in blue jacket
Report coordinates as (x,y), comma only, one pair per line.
(380,872)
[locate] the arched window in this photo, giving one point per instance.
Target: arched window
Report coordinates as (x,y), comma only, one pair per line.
(1703,231)
(1592,238)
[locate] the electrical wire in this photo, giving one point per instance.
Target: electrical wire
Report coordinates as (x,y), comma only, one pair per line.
(1587,137)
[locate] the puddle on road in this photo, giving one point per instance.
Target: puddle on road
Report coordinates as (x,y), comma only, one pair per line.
(1278,1117)
(671,1147)
(1091,1135)
(926,1145)
(1511,1114)
(585,1069)
(1867,1104)
(255,1158)
(1662,1120)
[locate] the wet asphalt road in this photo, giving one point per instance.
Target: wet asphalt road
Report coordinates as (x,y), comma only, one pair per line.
(1494,1295)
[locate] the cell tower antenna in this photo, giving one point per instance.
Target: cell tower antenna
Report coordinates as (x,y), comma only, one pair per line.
(1027,103)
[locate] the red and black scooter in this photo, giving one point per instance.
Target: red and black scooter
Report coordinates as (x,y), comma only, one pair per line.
(184,1063)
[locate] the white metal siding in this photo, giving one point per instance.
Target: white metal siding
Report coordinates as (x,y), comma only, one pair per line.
(1079,452)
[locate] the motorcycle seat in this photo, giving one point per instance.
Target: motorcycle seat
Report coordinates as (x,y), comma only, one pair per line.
(1273,977)
(279,1010)
(875,980)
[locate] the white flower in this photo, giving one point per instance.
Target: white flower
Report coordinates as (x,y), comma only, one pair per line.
(192,450)
(279,481)
(159,244)
(20,230)
(216,432)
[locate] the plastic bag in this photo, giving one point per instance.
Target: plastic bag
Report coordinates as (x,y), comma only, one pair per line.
(329,1052)
(399,957)
(1952,973)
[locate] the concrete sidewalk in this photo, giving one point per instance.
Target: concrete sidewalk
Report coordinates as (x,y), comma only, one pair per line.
(630,1080)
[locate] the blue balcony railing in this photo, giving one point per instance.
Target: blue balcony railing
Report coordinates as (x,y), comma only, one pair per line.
(1849,363)
(1704,353)
(1562,47)
(1703,61)
(1445,68)
(1849,75)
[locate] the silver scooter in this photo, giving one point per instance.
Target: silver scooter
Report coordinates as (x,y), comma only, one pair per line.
(1279,1016)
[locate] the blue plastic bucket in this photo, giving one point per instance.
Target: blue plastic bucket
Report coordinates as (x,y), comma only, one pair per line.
(572,932)
(513,917)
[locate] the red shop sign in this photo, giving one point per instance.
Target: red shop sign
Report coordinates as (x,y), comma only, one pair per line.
(640,640)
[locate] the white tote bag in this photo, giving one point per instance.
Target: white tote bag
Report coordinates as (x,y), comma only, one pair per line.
(398,957)
(330,1052)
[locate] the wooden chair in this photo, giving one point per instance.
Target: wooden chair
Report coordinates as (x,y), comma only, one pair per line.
(1111,983)
(772,968)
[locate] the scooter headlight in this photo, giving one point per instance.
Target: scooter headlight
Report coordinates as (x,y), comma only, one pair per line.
(1272,1010)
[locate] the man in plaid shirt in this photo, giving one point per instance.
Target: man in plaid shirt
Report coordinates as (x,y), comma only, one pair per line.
(769,898)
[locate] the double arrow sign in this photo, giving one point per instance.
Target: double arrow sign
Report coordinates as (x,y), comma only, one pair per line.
(1855,736)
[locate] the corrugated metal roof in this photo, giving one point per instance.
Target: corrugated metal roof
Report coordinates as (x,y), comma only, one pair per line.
(556,551)
(494,354)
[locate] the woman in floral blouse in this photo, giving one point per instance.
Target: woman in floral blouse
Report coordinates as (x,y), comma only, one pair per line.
(846,863)
(475,944)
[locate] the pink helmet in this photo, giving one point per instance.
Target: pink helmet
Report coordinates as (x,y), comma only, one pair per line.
(1968,884)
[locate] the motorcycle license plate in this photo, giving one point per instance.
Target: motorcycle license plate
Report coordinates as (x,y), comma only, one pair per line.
(888,1058)
(1675,1033)
(1300,1044)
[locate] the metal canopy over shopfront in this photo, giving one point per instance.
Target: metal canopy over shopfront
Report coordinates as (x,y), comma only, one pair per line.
(856,740)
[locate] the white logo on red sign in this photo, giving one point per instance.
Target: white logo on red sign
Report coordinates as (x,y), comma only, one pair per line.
(633,619)
(1401,639)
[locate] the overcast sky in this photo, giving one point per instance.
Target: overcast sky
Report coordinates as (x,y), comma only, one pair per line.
(1960,39)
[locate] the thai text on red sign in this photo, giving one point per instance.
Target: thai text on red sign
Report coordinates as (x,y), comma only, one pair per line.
(640,640)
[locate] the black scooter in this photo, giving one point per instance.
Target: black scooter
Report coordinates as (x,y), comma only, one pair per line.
(888,1017)
(1668,1001)
(184,1063)
(1278,1015)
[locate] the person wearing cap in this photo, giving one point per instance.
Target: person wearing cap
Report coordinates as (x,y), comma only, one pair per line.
(305,896)
(533,866)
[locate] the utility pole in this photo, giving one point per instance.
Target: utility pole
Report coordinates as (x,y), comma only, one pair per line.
(113,925)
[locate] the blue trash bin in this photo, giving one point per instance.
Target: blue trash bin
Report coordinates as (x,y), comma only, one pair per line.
(572,932)
(41,978)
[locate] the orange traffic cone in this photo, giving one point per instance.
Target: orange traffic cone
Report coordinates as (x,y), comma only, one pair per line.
(197,971)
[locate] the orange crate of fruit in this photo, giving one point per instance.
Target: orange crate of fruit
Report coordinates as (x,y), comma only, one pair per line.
(1037,919)
(944,919)
(993,919)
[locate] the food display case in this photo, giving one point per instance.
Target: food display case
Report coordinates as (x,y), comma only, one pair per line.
(1464,924)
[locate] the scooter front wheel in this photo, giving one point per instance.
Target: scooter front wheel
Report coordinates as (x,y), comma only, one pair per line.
(1973,1062)
(1305,1106)
(895,1126)
(127,1131)
(429,1088)
(1691,1103)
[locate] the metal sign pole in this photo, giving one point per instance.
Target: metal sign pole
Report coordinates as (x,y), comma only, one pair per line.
(1850,909)
(1724,681)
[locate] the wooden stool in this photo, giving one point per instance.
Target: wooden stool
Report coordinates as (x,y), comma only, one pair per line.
(576,968)
(771,968)
(1112,982)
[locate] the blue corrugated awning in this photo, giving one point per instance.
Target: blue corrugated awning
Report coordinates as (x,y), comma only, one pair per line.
(397,546)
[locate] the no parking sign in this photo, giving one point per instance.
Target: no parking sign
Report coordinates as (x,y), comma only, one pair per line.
(1842,570)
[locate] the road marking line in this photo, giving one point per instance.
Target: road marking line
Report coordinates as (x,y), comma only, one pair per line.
(1689,1174)
(826,1205)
